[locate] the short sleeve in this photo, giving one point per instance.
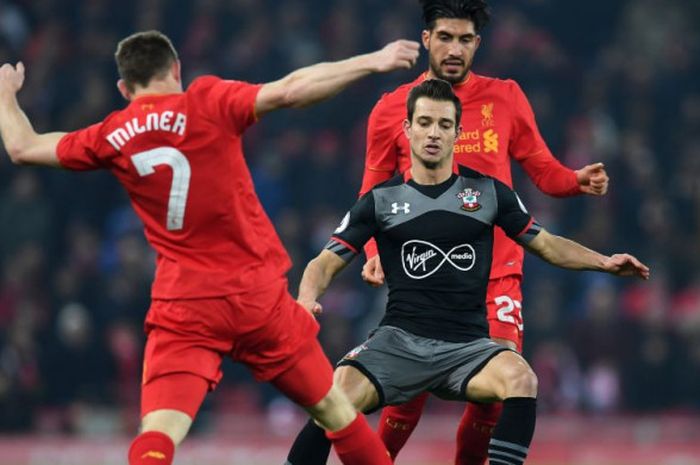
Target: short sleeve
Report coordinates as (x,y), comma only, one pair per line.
(230,103)
(79,150)
(513,217)
(356,228)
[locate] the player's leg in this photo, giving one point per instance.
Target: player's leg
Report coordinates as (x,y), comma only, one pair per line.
(503,303)
(162,429)
(508,377)
(277,340)
(397,422)
(340,423)
(181,364)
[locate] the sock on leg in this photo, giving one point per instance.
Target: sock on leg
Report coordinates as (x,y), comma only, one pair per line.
(511,438)
(398,422)
(152,448)
(311,446)
(474,432)
(357,444)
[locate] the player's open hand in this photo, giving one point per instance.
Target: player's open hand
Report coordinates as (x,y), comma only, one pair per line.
(400,54)
(372,272)
(11,77)
(626,265)
(593,179)
(312,306)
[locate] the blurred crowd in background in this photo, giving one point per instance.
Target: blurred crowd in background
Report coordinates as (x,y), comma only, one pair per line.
(609,81)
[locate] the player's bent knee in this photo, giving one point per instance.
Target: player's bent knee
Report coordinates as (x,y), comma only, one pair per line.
(334,412)
(172,423)
(360,390)
(521,382)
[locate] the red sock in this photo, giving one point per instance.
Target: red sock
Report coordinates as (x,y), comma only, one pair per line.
(356,444)
(152,448)
(474,433)
(398,422)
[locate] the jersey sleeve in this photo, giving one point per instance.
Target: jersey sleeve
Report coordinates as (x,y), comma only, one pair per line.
(512,216)
(381,158)
(79,150)
(232,103)
(530,150)
(356,228)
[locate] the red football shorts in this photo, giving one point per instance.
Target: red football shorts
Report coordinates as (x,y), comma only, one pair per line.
(504,306)
(264,329)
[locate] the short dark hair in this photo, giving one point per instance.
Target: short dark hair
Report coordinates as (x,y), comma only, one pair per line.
(477,11)
(434,89)
(143,56)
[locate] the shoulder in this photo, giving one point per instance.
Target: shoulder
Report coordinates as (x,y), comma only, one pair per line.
(466,172)
(393,182)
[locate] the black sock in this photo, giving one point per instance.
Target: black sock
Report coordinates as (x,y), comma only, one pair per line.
(511,438)
(311,447)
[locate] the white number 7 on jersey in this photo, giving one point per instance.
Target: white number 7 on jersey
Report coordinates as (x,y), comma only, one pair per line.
(146,161)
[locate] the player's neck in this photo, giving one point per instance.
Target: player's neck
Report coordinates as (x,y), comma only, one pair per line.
(431,176)
(163,87)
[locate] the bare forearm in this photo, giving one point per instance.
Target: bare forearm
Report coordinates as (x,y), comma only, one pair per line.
(566,253)
(15,128)
(22,143)
(315,83)
(315,280)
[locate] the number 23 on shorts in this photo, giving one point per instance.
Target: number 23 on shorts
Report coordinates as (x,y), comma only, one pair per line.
(509,310)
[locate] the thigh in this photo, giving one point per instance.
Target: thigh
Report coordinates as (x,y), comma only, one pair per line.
(489,384)
(463,362)
(504,309)
(396,362)
(357,387)
(185,336)
(272,332)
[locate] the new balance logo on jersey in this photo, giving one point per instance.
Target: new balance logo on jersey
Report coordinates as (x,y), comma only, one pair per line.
(421,259)
(395,207)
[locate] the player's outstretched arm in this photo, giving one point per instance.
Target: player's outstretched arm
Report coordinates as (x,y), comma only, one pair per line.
(566,253)
(317,277)
(22,143)
(321,81)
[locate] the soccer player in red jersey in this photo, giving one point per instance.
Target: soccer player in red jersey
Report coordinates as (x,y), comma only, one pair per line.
(220,287)
(498,126)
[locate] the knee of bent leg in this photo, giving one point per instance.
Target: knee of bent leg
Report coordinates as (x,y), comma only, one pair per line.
(521,381)
(334,411)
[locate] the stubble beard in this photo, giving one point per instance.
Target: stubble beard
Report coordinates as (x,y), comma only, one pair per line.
(437,71)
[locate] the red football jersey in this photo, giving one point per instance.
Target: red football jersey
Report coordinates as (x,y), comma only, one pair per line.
(497,124)
(180,159)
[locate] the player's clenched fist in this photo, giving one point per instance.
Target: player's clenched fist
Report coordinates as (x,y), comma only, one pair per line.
(593,179)
(400,54)
(11,78)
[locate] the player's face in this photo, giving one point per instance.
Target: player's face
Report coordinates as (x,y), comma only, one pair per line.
(432,132)
(451,46)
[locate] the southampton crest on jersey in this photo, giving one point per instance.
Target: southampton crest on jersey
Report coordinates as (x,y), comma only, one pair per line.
(470,199)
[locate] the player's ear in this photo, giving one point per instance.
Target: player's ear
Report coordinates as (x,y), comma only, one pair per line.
(477,41)
(406,128)
(121,85)
(425,38)
(459,129)
(176,70)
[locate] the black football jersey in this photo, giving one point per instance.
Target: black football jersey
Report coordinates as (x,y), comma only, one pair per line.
(435,244)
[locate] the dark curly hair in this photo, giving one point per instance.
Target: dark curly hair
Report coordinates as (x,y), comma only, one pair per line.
(476,11)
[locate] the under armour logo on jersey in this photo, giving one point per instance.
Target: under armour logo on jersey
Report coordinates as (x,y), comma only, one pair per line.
(421,259)
(406,208)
